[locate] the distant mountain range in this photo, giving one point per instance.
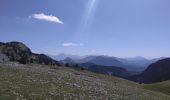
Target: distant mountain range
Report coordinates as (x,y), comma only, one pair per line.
(108,70)
(135,65)
(19,52)
(63,56)
(107,65)
(146,70)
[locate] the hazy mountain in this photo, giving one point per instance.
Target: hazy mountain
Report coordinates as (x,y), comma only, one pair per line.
(67,60)
(134,65)
(63,56)
(19,52)
(106,61)
(137,58)
(101,60)
(156,72)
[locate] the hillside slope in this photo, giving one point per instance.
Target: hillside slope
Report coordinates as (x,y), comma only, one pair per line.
(32,82)
(163,87)
(156,72)
(109,70)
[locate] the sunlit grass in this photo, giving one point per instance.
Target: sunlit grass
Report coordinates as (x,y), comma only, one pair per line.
(36,82)
(163,87)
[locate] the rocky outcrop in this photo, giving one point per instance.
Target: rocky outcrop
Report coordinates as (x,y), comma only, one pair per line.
(19,52)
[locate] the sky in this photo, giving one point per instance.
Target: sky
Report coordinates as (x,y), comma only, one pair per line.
(121,28)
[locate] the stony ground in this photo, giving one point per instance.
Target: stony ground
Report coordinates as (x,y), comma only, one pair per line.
(39,82)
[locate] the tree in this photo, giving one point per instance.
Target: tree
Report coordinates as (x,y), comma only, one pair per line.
(77,66)
(3,60)
(67,65)
(31,60)
(82,68)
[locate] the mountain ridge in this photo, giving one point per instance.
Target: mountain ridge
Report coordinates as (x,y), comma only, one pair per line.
(156,72)
(135,66)
(19,52)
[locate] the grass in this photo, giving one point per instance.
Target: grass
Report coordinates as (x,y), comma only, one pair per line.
(38,82)
(163,87)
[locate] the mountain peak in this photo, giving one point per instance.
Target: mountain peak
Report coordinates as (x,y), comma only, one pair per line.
(18,45)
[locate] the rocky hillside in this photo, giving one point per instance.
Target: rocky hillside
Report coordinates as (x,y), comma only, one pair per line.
(19,52)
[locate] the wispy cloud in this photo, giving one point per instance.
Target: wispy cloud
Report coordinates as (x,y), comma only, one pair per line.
(45,17)
(70,44)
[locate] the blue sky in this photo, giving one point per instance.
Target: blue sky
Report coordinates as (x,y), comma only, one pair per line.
(122,28)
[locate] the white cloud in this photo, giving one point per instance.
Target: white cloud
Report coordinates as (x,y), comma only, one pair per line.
(44,17)
(70,44)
